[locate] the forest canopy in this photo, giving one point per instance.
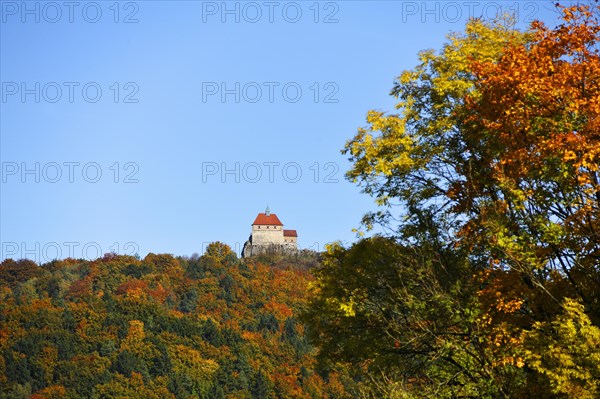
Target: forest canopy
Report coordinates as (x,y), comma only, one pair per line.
(160,327)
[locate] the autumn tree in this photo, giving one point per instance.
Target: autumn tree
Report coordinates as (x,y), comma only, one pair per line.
(532,191)
(12,272)
(490,167)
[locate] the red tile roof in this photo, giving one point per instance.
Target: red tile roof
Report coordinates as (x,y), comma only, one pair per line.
(290,233)
(263,219)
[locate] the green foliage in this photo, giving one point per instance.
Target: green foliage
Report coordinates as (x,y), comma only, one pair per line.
(262,387)
(404,315)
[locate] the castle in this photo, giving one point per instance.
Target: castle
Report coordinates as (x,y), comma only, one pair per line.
(269,236)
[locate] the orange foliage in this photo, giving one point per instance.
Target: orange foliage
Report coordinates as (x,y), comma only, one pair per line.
(134,289)
(51,392)
(159,293)
(280,310)
(81,288)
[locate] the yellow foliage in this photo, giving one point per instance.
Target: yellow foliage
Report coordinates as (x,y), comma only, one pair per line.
(188,361)
(567,351)
(135,341)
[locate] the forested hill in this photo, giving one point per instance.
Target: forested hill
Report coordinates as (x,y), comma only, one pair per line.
(163,327)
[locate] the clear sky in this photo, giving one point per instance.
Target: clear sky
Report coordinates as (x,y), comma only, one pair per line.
(162,126)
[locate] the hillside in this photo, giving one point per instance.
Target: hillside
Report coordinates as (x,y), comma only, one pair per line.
(162,327)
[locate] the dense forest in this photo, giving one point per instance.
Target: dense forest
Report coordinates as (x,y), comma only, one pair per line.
(162,327)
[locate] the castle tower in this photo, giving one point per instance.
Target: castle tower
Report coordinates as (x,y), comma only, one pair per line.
(267,229)
(268,235)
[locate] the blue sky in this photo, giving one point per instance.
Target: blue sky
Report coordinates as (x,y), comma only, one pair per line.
(155,126)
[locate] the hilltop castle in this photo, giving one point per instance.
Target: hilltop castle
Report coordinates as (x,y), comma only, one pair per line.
(268,236)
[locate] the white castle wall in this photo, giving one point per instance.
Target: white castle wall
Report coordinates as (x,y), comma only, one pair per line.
(267,235)
(291,240)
